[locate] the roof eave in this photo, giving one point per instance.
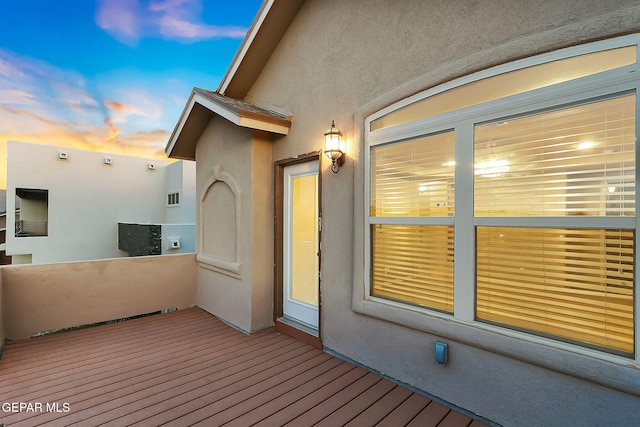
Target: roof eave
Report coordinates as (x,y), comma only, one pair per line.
(266,31)
(177,130)
(196,115)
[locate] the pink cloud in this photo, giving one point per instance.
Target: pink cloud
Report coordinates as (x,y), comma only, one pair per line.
(87,136)
(17,96)
(183,7)
(172,27)
(120,18)
(26,114)
(8,69)
(62,110)
(129,20)
(121,107)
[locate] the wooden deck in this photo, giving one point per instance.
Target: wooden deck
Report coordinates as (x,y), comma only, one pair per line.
(189,368)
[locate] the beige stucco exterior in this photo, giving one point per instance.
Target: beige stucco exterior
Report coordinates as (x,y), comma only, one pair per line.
(45,297)
(242,296)
(344,61)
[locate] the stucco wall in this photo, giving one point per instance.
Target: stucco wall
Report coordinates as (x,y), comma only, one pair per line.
(243,299)
(262,229)
(345,60)
(38,298)
(87,199)
(181,176)
(185,232)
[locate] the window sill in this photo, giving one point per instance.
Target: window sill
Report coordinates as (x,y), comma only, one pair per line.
(621,374)
(232,269)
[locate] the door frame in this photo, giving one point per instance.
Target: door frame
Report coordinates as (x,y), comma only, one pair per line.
(278,265)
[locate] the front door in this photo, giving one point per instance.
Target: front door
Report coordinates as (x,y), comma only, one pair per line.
(300,244)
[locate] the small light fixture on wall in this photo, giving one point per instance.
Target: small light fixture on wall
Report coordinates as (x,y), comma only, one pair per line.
(333,147)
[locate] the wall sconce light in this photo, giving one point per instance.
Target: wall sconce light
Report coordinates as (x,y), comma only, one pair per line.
(333,147)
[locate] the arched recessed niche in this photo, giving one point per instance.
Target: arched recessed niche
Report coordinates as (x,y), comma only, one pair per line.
(220,219)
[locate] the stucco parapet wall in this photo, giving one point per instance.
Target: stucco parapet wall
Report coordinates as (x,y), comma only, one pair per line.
(45,297)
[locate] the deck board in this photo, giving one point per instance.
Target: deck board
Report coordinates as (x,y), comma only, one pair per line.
(303,400)
(406,411)
(431,416)
(380,409)
(189,368)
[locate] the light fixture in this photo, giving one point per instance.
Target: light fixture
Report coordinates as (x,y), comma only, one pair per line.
(586,145)
(492,168)
(333,147)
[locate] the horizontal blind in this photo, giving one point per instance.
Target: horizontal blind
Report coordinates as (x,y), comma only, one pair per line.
(413,178)
(575,284)
(574,161)
(413,264)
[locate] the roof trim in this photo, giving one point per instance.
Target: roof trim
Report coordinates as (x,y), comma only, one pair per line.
(266,31)
(238,112)
(246,43)
(202,104)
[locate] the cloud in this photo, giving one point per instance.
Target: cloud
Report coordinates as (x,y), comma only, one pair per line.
(16,96)
(175,28)
(130,20)
(25,81)
(120,111)
(8,69)
(121,18)
(44,104)
(105,137)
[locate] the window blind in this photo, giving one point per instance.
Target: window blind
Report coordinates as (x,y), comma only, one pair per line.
(574,161)
(575,284)
(413,178)
(413,264)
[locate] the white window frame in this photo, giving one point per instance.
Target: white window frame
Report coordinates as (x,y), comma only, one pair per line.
(462,324)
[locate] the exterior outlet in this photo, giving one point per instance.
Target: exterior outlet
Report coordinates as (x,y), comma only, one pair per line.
(442,353)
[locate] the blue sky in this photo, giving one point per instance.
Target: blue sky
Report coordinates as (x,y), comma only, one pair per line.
(110,75)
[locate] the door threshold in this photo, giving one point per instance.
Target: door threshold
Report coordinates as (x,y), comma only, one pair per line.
(299,331)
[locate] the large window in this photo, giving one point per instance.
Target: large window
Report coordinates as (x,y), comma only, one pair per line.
(412,209)
(543,234)
(549,277)
(34,212)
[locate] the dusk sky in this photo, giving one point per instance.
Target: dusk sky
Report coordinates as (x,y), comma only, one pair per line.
(110,75)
